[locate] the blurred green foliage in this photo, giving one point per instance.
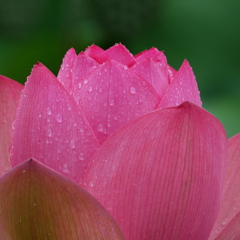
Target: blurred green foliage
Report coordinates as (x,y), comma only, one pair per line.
(204,32)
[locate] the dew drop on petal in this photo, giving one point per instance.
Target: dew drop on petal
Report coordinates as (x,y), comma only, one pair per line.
(132,90)
(111,102)
(100,128)
(49,111)
(59,117)
(49,132)
(90,89)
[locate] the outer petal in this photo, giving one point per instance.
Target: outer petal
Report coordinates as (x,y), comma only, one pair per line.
(161,175)
(183,88)
(118,53)
(9,99)
(151,53)
(65,72)
(50,127)
(37,203)
(230,202)
(112,96)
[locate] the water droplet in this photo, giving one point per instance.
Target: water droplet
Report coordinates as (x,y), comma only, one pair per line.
(24,171)
(132,90)
(115,117)
(100,90)
(91,184)
(72,143)
(49,132)
(125,67)
(65,168)
(69,107)
(49,111)
(85,81)
(111,103)
(90,89)
(100,128)
(39,115)
(80,85)
(59,117)
(81,157)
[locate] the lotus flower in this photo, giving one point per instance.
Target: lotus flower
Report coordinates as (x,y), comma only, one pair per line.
(131,131)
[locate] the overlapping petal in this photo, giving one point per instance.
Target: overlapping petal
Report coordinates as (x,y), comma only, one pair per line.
(9,98)
(38,203)
(112,96)
(51,128)
(161,175)
(229,213)
(182,88)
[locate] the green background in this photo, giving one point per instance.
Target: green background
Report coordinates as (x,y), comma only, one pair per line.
(206,33)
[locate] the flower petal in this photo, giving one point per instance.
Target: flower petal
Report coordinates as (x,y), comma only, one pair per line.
(65,72)
(231,231)
(182,88)
(119,53)
(155,73)
(9,99)
(51,128)
(93,51)
(112,96)
(230,204)
(38,203)
(161,175)
(151,53)
(83,66)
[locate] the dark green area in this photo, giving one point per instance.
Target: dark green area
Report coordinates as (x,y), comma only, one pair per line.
(205,32)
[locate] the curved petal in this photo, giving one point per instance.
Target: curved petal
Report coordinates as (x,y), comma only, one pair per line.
(161,175)
(37,203)
(9,99)
(51,128)
(230,204)
(151,53)
(65,72)
(119,53)
(182,88)
(112,96)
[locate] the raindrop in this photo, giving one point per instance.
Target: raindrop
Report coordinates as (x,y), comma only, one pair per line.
(65,168)
(85,81)
(49,132)
(111,103)
(49,111)
(132,90)
(80,85)
(100,128)
(125,67)
(59,117)
(100,90)
(81,157)
(90,89)
(91,184)
(39,115)
(72,143)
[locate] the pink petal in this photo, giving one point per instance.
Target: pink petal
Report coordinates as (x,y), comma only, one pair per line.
(161,175)
(231,231)
(83,66)
(37,203)
(171,73)
(9,99)
(230,204)
(50,127)
(112,96)
(65,72)
(146,54)
(118,53)
(154,73)
(182,88)
(93,51)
